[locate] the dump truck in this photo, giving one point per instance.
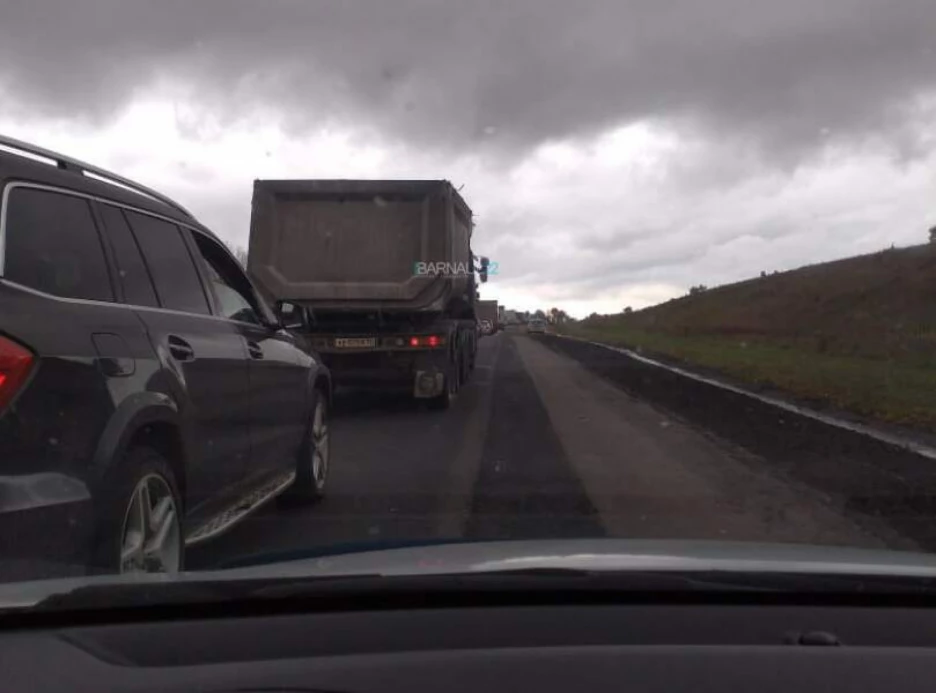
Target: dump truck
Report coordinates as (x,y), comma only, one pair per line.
(378,275)
(487,310)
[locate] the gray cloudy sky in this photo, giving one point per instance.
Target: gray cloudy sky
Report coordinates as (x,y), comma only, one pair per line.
(615,152)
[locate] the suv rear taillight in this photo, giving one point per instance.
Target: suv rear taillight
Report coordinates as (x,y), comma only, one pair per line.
(15,364)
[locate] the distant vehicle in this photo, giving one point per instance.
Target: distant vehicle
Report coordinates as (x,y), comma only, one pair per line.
(536,326)
(487,310)
(487,328)
(149,398)
(394,314)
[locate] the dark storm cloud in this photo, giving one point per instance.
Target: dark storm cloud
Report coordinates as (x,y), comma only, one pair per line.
(783,76)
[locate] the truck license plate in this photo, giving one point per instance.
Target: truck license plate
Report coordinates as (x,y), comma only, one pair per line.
(355,342)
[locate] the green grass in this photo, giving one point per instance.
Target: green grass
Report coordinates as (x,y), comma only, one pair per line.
(858,334)
(879,388)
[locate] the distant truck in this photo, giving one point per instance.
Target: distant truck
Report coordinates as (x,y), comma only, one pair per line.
(379,275)
(487,310)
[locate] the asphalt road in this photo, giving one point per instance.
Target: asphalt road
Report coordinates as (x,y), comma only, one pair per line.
(552,440)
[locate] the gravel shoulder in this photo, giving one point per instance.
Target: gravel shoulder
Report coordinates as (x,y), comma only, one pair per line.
(680,458)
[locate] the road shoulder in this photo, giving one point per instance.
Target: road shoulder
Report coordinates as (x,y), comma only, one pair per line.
(651,475)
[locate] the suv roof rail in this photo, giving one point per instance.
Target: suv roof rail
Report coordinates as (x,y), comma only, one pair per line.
(67,163)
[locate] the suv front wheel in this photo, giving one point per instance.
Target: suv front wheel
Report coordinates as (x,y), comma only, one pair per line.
(314,456)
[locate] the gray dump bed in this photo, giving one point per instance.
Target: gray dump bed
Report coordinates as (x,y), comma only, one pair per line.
(347,244)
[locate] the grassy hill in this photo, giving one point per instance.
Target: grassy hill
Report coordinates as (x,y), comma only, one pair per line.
(857,334)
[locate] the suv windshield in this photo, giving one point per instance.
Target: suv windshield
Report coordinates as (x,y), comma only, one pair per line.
(305,279)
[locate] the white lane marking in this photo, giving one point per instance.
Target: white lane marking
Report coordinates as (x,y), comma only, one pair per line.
(897,441)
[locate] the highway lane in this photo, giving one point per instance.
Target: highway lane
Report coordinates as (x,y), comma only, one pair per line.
(537,445)
(399,472)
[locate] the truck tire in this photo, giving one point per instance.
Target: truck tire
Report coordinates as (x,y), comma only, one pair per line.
(444,401)
(461,359)
(314,459)
(466,359)
(140,519)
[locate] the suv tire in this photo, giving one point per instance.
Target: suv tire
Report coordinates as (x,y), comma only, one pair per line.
(140,527)
(314,459)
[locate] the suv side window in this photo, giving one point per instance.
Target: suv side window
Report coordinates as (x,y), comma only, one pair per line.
(227,281)
(170,264)
(52,244)
(135,278)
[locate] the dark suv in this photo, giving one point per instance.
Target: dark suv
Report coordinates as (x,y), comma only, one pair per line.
(149,397)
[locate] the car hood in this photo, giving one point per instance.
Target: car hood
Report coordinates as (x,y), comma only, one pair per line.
(596,555)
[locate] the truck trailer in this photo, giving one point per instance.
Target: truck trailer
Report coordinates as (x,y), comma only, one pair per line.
(377,274)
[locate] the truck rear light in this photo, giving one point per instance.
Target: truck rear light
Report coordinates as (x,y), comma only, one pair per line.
(430,340)
(15,364)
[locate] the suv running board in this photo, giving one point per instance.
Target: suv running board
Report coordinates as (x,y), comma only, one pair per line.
(226,519)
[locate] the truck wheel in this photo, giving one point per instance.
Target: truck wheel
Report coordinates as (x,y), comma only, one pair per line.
(444,401)
(463,371)
(314,456)
(140,526)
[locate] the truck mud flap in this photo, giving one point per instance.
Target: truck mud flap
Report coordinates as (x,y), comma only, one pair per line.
(428,384)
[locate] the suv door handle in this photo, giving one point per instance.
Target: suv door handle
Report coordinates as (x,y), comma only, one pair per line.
(255,350)
(180,349)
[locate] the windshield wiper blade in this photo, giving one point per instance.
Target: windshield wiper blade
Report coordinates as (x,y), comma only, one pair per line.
(214,591)
(522,582)
(137,594)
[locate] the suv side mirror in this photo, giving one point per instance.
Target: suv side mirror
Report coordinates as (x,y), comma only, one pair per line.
(290,315)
